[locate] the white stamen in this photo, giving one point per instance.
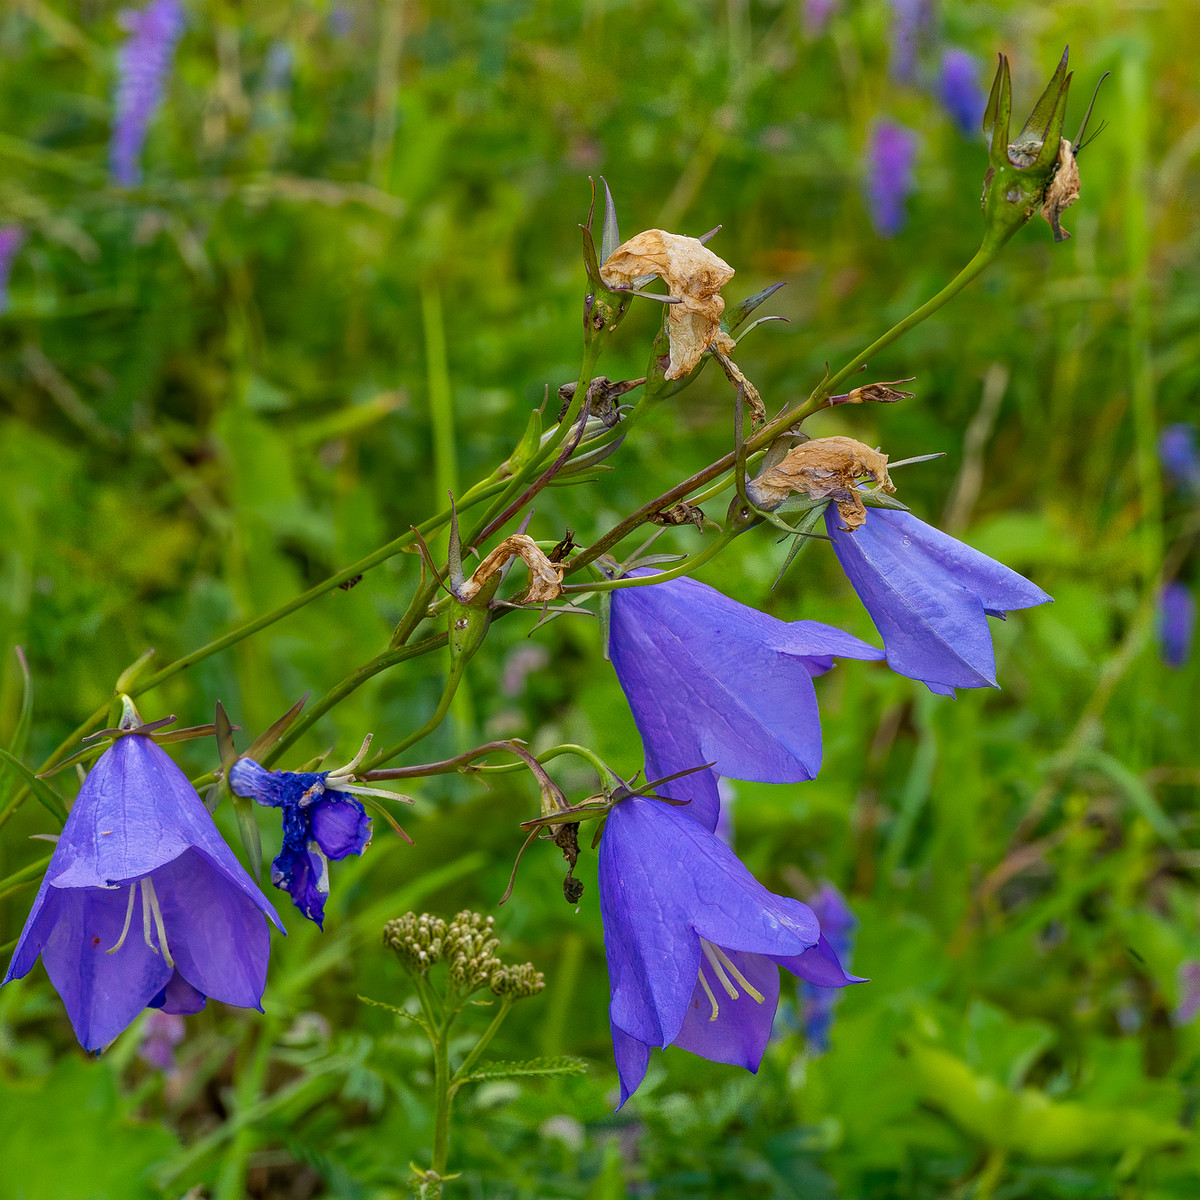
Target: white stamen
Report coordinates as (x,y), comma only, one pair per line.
(713,953)
(343,775)
(709,993)
(357,789)
(148,893)
(146,918)
(709,950)
(128,918)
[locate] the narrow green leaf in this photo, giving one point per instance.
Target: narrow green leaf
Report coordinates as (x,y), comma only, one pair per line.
(561,1065)
(42,790)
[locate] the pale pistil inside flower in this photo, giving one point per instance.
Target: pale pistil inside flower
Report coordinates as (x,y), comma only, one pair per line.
(723,967)
(152,919)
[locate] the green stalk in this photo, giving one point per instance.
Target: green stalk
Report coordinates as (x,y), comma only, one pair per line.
(340,691)
(789,419)
(441,1087)
(460,1076)
(439,715)
(696,560)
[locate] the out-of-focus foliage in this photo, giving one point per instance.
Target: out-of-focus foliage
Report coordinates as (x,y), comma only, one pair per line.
(219,387)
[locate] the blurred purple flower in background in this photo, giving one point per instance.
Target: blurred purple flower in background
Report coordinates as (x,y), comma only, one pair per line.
(1179,456)
(139,839)
(911,21)
(959,90)
(694,942)
(11,237)
(890,155)
(710,680)
(838,924)
(1176,623)
(816,14)
(143,63)
(321,821)
(1189,992)
(930,597)
(161,1033)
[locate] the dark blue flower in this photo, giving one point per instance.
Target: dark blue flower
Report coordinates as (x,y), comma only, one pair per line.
(143,63)
(321,821)
(891,153)
(930,597)
(1176,623)
(838,924)
(1179,456)
(959,90)
(143,903)
(694,942)
(710,680)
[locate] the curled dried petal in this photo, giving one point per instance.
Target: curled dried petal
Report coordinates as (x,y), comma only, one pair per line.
(823,467)
(693,274)
(1063,190)
(545,577)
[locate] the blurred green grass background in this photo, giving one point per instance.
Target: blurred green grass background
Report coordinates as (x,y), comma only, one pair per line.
(215,390)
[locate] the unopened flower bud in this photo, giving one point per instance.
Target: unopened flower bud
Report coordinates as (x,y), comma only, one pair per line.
(517,981)
(470,947)
(417,941)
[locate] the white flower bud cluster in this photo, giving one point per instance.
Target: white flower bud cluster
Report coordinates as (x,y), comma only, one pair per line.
(417,941)
(470,950)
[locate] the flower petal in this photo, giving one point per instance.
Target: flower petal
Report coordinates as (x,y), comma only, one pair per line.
(340,825)
(179,997)
(711,680)
(102,992)
(663,880)
(819,966)
(217,935)
(303,873)
(633,1057)
(929,596)
(740,1033)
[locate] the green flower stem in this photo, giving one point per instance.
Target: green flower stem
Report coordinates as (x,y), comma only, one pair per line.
(442,1096)
(684,568)
(983,258)
(460,1076)
(30,873)
(789,418)
(340,691)
(439,715)
(480,491)
(417,611)
(518,482)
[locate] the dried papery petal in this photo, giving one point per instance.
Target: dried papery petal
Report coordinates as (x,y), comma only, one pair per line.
(692,273)
(545,577)
(1063,190)
(823,467)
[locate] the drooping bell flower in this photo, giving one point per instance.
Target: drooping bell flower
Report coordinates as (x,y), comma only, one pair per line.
(694,942)
(710,680)
(1176,623)
(143,904)
(817,1001)
(322,820)
(930,597)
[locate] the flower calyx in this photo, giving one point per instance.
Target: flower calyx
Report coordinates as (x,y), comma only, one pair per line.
(1023,175)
